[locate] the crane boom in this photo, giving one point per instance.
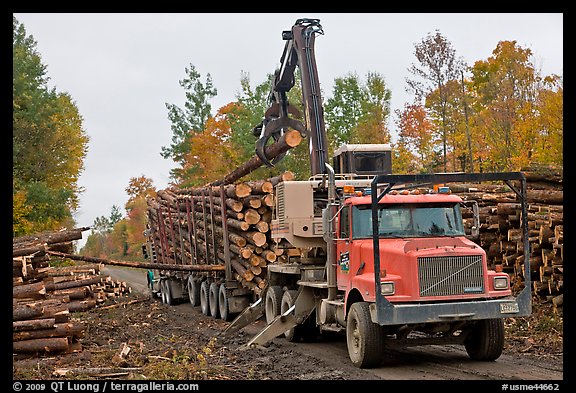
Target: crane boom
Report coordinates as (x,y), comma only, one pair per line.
(298,51)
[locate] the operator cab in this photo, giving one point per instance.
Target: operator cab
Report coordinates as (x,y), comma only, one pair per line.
(363,159)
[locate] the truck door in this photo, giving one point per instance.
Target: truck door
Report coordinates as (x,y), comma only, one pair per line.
(343,249)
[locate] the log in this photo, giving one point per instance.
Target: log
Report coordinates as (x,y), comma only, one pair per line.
(96,371)
(257,260)
(78,283)
(241,251)
(256,238)
(257,270)
(33,324)
(269,255)
(286,176)
(268,200)
(252,201)
(142,265)
(240,225)
(27,311)
(35,290)
(251,216)
(81,305)
(236,191)
(262,226)
(74,293)
(550,197)
(39,243)
(286,142)
(241,270)
(50,345)
(69,329)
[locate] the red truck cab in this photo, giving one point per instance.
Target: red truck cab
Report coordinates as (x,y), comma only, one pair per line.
(424,253)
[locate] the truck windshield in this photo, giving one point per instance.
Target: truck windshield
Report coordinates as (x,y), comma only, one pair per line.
(409,220)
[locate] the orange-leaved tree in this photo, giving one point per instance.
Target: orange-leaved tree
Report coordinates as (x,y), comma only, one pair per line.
(212,154)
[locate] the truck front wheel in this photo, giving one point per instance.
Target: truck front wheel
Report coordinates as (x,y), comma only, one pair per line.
(365,339)
(486,340)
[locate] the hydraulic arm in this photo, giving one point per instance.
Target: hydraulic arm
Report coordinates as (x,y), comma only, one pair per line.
(298,51)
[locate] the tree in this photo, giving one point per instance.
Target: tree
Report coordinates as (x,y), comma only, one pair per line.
(438,66)
(344,109)
(99,242)
(416,134)
(49,143)
(358,111)
(188,121)
(251,104)
(506,87)
(211,154)
(139,188)
(549,147)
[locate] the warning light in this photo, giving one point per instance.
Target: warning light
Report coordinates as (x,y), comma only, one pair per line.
(348,189)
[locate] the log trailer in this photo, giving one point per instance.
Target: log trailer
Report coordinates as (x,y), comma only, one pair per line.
(381,257)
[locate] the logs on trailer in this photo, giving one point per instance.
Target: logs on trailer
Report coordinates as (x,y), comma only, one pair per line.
(187,228)
(44,296)
(501,230)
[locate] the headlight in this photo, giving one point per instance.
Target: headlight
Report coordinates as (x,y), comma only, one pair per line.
(387,288)
(500,282)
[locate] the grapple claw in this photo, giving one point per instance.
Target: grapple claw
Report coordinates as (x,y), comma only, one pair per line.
(275,129)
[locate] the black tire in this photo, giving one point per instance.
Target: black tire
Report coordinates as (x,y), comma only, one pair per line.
(272,302)
(223,303)
(287,302)
(486,340)
(163,291)
(364,338)
(213,300)
(194,291)
(169,299)
(204,301)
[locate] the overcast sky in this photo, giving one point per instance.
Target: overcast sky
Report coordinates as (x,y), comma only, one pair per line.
(121,69)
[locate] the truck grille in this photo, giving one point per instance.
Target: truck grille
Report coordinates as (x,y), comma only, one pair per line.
(447,276)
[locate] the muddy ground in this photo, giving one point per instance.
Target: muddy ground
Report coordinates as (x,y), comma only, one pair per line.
(178,342)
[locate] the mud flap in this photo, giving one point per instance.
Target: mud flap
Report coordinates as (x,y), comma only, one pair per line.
(245,318)
(303,306)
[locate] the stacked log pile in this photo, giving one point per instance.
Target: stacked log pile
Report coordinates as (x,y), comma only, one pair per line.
(501,229)
(189,226)
(45,296)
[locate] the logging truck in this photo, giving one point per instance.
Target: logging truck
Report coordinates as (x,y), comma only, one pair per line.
(382,258)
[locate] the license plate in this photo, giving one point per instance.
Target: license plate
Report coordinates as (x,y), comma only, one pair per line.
(509,308)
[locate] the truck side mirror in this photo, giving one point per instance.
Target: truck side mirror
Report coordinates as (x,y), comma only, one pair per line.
(475,230)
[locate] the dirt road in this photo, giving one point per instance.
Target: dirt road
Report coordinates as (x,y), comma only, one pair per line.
(328,358)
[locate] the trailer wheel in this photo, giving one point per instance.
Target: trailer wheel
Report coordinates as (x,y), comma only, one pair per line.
(272,303)
(365,339)
(168,293)
(486,340)
(194,291)
(223,303)
(163,290)
(213,300)
(204,302)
